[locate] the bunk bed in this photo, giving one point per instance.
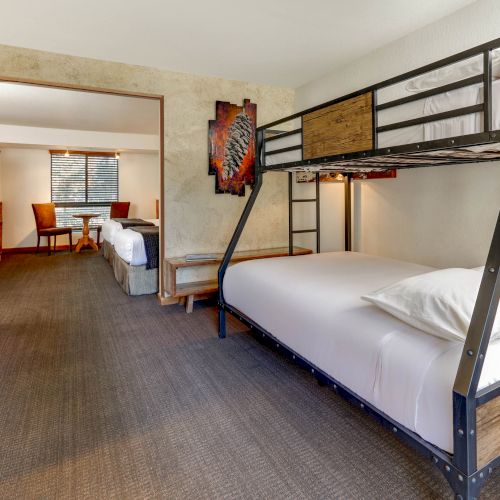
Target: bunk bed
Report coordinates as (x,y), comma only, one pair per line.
(445,113)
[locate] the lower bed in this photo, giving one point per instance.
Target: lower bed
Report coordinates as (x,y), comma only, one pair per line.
(130,264)
(312,305)
(135,280)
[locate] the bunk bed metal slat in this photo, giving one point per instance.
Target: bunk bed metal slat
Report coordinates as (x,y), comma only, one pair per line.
(283,134)
(468,110)
(283,150)
(467,82)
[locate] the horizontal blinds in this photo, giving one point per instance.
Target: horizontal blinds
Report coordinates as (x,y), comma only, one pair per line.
(68,179)
(83,183)
(102,179)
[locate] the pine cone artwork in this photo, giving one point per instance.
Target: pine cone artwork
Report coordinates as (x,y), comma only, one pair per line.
(240,135)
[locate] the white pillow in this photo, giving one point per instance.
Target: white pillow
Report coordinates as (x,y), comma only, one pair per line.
(440,303)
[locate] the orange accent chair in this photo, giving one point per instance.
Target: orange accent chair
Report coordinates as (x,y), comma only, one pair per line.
(119,210)
(46,225)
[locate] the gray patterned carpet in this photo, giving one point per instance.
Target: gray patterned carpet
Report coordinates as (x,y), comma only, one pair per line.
(103,396)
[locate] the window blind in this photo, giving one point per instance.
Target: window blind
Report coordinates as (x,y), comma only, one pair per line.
(83,183)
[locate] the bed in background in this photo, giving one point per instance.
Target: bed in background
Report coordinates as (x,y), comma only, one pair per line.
(112,226)
(136,259)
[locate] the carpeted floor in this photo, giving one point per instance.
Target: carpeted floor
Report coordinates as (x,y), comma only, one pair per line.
(112,397)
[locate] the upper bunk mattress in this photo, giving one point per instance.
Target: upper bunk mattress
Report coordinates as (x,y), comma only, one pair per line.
(312,305)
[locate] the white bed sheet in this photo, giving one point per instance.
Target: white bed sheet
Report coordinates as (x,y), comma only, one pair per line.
(129,245)
(109,230)
(111,227)
(312,304)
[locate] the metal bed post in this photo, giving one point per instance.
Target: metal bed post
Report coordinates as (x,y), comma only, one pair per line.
(471,362)
(347,212)
(237,233)
(487,82)
(318,215)
(290,213)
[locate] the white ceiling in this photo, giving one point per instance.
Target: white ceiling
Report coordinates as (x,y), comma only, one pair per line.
(282,42)
(34,106)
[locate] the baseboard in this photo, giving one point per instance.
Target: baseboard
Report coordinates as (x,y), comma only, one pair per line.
(33,249)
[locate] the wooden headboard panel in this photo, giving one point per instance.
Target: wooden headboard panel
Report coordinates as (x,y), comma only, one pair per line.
(344,127)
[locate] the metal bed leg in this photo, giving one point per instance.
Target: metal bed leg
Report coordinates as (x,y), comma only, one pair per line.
(230,250)
(222,322)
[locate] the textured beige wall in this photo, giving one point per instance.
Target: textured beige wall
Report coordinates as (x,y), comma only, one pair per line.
(197,220)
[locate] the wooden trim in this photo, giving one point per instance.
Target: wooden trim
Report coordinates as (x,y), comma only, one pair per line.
(80,88)
(87,153)
(162,196)
(488,432)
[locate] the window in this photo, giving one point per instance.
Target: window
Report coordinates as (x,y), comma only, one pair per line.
(83,182)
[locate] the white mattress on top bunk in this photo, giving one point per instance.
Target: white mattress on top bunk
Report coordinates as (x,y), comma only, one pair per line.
(111,227)
(312,305)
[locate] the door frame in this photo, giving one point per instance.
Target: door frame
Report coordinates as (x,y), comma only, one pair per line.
(161,101)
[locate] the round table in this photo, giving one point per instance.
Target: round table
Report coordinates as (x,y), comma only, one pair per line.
(85,240)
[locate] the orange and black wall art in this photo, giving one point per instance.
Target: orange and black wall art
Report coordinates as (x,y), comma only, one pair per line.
(231,146)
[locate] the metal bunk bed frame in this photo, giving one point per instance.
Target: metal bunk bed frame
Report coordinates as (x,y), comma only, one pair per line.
(465,471)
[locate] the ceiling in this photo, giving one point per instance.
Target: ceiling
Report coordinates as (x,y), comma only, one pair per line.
(281,42)
(34,106)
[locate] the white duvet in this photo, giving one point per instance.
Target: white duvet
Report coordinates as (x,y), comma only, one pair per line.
(111,227)
(312,305)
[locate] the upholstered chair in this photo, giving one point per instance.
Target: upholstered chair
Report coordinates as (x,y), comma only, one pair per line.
(119,210)
(45,218)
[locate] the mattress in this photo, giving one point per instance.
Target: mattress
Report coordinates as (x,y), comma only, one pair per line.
(312,305)
(129,245)
(111,227)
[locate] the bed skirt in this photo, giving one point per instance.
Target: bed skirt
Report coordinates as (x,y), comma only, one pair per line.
(108,251)
(135,280)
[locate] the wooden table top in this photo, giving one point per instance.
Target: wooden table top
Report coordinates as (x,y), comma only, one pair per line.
(85,216)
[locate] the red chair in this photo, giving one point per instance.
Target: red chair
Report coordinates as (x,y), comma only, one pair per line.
(46,225)
(119,210)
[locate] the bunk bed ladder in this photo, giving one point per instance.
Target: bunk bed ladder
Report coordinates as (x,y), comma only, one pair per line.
(291,201)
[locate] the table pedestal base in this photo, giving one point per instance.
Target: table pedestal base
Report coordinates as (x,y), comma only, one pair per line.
(85,241)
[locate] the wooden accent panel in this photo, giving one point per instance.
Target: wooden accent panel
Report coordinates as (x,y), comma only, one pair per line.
(488,431)
(345,127)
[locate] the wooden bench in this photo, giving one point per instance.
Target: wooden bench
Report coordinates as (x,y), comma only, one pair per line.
(199,289)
